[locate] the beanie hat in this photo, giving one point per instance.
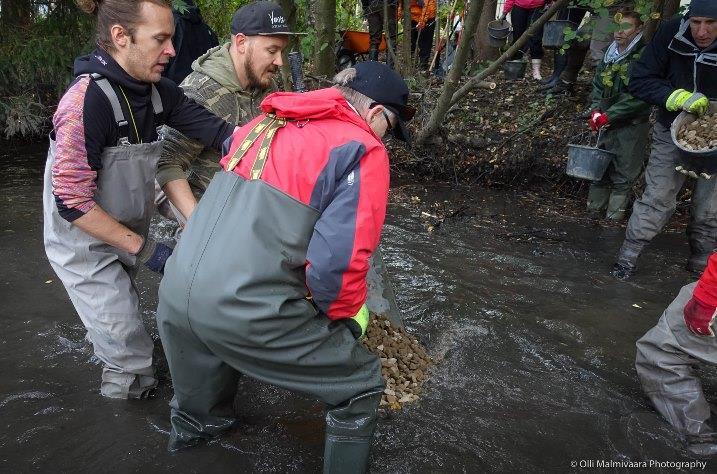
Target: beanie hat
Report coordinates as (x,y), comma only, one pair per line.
(703,8)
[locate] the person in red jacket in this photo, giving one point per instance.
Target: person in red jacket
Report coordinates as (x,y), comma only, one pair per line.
(669,353)
(522,14)
(269,278)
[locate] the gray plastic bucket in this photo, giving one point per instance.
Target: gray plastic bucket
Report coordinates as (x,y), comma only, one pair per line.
(498,33)
(554,33)
(587,162)
(696,160)
(513,70)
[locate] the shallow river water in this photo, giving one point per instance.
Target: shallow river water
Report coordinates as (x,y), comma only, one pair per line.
(534,344)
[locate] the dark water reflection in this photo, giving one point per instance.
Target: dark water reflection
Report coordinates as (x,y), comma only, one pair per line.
(535,345)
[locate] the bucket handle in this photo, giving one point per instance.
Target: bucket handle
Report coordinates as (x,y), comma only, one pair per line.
(599,135)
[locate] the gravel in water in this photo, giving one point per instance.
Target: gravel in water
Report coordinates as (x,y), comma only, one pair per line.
(404,361)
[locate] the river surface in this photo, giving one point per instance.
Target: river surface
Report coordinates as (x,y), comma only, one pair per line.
(534,344)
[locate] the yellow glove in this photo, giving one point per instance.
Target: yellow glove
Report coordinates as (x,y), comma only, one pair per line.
(692,102)
(358,323)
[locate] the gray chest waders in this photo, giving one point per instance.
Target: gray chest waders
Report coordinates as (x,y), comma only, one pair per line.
(233,301)
(99,278)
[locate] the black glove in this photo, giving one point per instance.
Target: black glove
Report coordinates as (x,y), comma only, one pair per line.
(154,255)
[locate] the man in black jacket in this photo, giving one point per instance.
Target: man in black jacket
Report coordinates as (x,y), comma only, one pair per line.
(192,38)
(677,71)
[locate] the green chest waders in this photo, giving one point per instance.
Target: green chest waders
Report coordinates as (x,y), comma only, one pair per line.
(233,301)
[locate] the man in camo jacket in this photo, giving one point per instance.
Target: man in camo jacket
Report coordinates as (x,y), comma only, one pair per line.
(230,80)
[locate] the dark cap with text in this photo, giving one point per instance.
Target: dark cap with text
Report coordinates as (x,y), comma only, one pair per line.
(260,18)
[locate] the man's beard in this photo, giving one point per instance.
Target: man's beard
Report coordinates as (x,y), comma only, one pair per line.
(254,81)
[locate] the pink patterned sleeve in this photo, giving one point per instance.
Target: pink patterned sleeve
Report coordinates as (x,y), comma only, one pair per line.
(73,179)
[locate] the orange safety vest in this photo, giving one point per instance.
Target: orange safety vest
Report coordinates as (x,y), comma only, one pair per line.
(418,14)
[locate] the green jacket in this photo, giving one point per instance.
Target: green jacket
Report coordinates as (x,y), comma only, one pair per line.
(214,85)
(610,93)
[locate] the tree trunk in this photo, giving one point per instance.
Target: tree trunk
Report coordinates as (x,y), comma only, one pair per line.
(289,8)
(666,10)
(454,76)
(517,44)
(407,63)
(325,37)
(15,13)
(483,50)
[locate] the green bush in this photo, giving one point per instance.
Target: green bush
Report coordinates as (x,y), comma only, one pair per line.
(36,67)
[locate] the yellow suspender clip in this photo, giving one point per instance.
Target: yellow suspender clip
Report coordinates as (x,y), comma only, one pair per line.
(270,124)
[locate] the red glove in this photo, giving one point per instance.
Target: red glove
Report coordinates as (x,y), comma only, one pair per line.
(598,119)
(699,317)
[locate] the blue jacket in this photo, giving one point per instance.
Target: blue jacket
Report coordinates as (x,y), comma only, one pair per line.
(672,61)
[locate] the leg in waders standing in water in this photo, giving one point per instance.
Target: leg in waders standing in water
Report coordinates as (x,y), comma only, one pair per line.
(98,194)
(269,278)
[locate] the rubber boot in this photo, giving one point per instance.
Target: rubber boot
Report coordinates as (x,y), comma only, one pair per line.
(126,386)
(373,54)
(617,206)
(189,430)
(535,64)
(349,432)
(699,254)
(626,264)
(598,197)
(559,62)
(562,88)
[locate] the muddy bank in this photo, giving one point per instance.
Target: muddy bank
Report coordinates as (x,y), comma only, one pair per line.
(512,135)
(510,294)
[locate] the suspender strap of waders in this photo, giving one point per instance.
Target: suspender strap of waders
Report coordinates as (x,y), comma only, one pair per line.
(106,88)
(270,124)
(122,125)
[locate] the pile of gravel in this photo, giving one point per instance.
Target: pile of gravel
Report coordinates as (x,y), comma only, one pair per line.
(404,361)
(700,134)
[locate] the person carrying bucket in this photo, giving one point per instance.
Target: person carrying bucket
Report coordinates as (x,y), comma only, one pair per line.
(522,14)
(621,119)
(677,72)
(269,277)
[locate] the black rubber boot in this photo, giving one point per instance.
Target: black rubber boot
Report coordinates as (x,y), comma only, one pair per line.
(626,264)
(562,88)
(559,62)
(188,430)
(349,432)
(699,254)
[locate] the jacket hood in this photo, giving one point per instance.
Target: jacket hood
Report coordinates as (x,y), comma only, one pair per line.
(319,104)
(192,13)
(99,61)
(217,63)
